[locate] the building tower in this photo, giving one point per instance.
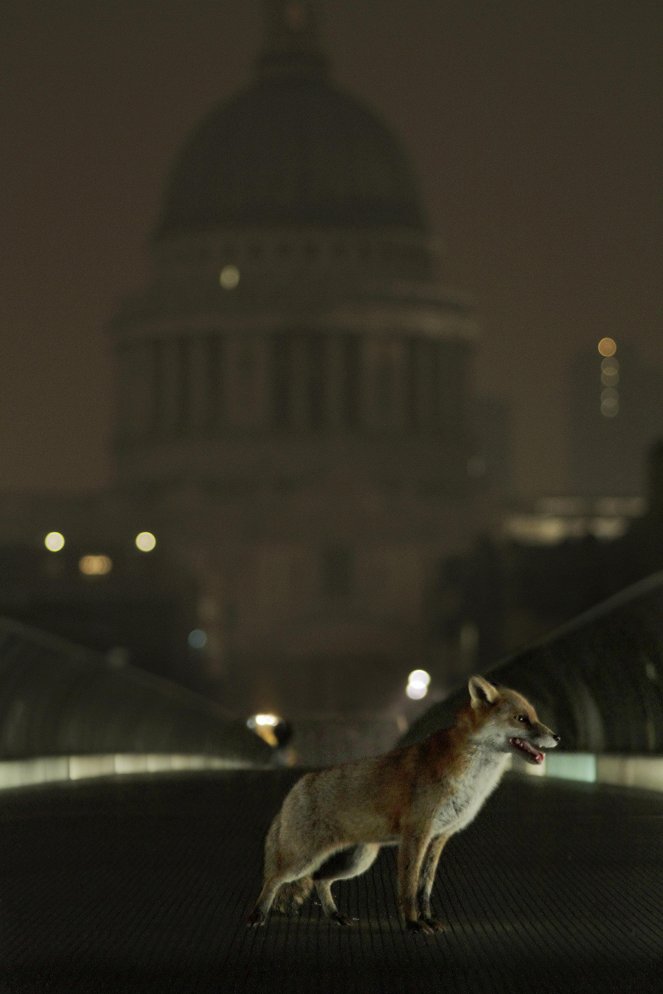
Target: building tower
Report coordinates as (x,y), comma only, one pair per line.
(615,416)
(293,384)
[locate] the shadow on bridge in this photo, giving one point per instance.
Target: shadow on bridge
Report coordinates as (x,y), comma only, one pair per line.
(143,884)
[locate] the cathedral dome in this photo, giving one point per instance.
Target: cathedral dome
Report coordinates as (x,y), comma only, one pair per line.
(291,148)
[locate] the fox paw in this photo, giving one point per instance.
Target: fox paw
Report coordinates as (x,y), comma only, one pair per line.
(420,925)
(341,920)
(256,918)
(435,924)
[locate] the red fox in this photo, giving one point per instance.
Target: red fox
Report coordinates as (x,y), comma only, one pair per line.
(333,822)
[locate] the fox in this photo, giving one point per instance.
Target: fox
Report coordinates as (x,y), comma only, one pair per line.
(333,822)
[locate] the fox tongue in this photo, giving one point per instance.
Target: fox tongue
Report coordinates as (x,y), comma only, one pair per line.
(537,757)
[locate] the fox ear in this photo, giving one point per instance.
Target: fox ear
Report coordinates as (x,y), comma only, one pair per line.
(482,692)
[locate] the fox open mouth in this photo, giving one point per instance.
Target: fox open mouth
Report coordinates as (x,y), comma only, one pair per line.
(531,754)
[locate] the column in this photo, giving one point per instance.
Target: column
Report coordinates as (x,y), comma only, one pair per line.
(334,385)
(299,381)
(170,385)
(216,388)
(135,383)
(199,384)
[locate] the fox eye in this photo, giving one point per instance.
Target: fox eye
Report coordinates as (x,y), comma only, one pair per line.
(524,719)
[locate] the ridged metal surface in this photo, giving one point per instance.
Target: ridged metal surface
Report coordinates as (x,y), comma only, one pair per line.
(145,887)
(60,699)
(598,681)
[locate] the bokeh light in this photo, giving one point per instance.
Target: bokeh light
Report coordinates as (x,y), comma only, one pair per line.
(418,682)
(145,541)
(229,277)
(95,565)
(607,347)
(54,541)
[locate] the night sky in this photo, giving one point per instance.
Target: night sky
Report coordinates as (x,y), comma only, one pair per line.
(534,127)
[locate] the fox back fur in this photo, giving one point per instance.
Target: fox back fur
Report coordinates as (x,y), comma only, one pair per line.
(333,822)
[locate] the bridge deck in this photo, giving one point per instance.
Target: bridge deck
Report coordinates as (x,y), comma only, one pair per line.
(144,886)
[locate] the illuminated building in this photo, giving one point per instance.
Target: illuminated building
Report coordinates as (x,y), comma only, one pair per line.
(294,396)
(294,382)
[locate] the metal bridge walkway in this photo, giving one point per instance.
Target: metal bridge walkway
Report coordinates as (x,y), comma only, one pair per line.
(144,886)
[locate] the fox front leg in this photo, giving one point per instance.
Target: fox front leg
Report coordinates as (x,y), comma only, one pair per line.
(411,854)
(427,879)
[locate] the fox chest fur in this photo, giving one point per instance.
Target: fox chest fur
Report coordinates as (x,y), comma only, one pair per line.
(457,799)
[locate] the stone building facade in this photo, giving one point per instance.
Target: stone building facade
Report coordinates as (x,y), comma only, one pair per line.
(294,392)
(296,380)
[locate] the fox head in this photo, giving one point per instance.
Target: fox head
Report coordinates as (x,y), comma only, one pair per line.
(505,721)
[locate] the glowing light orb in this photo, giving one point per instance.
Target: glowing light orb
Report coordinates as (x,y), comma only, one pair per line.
(607,347)
(229,277)
(54,541)
(417,686)
(197,639)
(95,565)
(263,721)
(145,541)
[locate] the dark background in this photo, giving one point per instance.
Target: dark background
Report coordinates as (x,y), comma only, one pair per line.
(534,129)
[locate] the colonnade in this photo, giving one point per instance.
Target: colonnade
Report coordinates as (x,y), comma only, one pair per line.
(216,383)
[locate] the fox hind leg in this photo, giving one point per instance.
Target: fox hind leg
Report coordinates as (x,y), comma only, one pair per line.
(273,883)
(292,873)
(342,865)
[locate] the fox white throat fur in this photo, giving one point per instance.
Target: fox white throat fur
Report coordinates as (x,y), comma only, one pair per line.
(333,822)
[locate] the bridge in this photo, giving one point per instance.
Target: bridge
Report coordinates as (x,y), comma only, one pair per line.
(143,883)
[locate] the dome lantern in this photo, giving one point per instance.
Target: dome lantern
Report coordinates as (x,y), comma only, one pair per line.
(292,46)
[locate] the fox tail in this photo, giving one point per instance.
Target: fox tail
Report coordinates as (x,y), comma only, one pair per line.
(290,895)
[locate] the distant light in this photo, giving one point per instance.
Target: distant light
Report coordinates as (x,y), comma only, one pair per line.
(54,541)
(229,277)
(263,721)
(145,541)
(609,402)
(197,639)
(417,684)
(95,565)
(610,365)
(610,372)
(419,678)
(607,347)
(265,725)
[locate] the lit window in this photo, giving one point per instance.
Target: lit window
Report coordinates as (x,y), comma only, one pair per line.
(607,347)
(145,541)
(229,277)
(95,565)
(54,541)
